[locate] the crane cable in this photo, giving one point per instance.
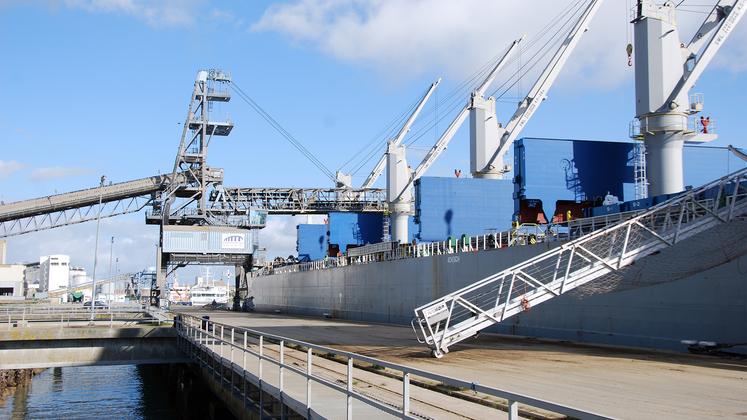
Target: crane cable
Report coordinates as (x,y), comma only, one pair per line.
(455,95)
(470,82)
(530,63)
(283,132)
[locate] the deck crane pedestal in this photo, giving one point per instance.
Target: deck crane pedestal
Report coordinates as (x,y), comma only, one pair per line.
(665,71)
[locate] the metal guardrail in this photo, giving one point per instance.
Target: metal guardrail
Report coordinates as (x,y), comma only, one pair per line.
(463,313)
(16,316)
(208,342)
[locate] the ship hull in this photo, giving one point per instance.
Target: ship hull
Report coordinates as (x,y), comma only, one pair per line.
(696,290)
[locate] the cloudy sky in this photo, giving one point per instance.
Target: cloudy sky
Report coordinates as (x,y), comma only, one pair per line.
(98,87)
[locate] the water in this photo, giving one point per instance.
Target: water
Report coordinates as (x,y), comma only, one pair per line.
(93,392)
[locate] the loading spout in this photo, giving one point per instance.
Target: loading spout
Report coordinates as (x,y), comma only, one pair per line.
(738,153)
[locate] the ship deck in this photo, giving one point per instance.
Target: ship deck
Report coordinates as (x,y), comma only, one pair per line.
(617,382)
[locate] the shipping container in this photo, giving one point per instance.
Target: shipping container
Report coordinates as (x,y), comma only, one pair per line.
(354,229)
(605,210)
(208,240)
(451,207)
(637,205)
(311,241)
(578,170)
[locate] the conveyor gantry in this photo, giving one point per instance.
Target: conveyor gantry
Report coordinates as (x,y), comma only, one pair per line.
(226,203)
(305,200)
(79,206)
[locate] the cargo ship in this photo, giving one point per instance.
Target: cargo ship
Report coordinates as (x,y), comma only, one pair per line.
(454,256)
(694,291)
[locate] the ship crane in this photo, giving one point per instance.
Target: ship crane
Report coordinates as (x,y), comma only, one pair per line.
(379,168)
(665,71)
(489,141)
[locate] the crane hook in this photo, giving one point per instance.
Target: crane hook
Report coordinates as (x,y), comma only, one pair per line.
(629,50)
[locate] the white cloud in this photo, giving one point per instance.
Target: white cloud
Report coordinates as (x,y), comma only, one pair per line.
(156,13)
(134,244)
(57,172)
(279,236)
(153,12)
(405,39)
(8,167)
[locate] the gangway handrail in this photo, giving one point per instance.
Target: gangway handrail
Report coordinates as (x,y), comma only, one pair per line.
(461,314)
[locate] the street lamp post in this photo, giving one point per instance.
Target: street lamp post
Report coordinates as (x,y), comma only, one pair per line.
(112,285)
(96,249)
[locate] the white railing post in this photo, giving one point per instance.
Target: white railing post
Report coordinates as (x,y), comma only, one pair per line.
(280,369)
(243,361)
(405,394)
(513,410)
(243,373)
(308,381)
(259,375)
(349,398)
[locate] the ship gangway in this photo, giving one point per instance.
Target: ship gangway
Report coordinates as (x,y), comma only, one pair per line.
(594,257)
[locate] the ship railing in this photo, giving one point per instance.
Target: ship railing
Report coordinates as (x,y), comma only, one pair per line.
(594,257)
(463,244)
(323,382)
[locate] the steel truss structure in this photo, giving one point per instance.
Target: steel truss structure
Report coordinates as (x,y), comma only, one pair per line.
(81,206)
(299,200)
(73,216)
(462,314)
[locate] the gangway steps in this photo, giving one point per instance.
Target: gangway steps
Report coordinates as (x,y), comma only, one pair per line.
(598,255)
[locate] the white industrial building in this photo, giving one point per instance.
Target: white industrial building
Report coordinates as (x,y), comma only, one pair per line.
(11,281)
(11,278)
(54,272)
(78,276)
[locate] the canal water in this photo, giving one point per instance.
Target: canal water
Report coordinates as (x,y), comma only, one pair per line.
(93,392)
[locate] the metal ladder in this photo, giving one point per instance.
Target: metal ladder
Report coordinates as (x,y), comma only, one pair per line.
(464,313)
(641,180)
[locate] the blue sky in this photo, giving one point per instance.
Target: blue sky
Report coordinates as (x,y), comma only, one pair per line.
(101,86)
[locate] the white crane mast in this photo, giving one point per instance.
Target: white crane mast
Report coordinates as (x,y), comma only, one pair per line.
(399,175)
(379,168)
(451,130)
(665,71)
(529,105)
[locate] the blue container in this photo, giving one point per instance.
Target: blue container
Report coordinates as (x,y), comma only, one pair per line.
(354,229)
(567,169)
(637,205)
(605,210)
(457,206)
(664,197)
(311,242)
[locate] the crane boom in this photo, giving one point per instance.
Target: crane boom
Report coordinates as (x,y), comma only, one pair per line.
(446,137)
(379,168)
(725,15)
(538,93)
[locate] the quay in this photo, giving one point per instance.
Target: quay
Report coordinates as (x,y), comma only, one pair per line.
(616,382)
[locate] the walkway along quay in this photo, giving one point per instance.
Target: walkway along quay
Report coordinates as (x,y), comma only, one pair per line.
(266,375)
(611,381)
